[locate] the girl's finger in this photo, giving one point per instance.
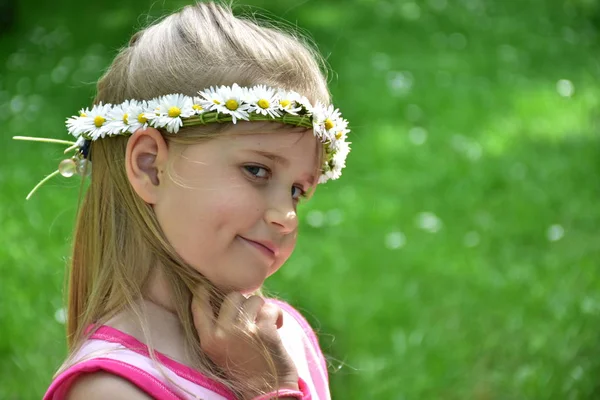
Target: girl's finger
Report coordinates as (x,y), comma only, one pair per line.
(230,309)
(251,307)
(204,318)
(270,315)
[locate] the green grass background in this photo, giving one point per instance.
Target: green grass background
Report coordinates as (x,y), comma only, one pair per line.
(456,259)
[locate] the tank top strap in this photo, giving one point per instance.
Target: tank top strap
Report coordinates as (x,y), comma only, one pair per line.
(115,352)
(143,380)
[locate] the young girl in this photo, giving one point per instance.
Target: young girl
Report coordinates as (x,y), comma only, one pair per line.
(205,133)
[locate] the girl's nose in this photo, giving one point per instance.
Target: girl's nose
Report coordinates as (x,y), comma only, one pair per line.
(285,221)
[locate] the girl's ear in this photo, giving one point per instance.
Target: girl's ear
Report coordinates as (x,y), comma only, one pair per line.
(145,160)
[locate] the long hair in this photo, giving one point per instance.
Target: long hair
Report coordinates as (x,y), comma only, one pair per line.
(117,237)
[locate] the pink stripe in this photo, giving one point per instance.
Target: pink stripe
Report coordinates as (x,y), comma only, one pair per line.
(138,377)
(113,335)
(307,329)
(304,389)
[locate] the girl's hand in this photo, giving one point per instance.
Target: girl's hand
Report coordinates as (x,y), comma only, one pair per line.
(240,339)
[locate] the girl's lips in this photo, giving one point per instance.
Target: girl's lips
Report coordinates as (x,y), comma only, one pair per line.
(260,247)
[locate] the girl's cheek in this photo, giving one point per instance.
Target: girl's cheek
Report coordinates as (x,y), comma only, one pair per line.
(234,202)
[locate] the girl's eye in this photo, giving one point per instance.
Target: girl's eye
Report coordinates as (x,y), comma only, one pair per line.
(299,193)
(263,173)
(255,171)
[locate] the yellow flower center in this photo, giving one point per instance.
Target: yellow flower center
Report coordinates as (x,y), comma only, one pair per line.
(328,124)
(232,105)
(174,112)
(82,114)
(99,121)
(142,119)
(197,107)
(216,101)
(126,118)
(338,135)
(262,103)
(284,103)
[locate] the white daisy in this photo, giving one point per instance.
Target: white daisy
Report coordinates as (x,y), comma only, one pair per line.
(151,110)
(318,117)
(233,102)
(332,118)
(328,172)
(332,174)
(120,117)
(94,124)
(197,105)
(289,101)
(332,168)
(171,109)
(306,104)
(338,137)
(137,116)
(211,99)
(328,122)
(76,124)
(263,100)
(245,93)
(339,157)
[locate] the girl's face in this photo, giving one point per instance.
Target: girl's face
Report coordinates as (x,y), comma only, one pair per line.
(228,205)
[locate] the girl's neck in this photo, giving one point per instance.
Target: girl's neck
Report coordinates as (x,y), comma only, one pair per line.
(164,330)
(158,292)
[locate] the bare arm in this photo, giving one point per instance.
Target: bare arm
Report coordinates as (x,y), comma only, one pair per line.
(101,386)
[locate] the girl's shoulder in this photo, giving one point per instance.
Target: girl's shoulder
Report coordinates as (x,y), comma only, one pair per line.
(103,385)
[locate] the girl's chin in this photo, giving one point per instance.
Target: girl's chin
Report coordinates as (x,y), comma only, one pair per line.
(246,290)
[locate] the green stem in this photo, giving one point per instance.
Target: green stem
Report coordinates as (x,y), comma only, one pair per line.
(46,179)
(46,140)
(211,117)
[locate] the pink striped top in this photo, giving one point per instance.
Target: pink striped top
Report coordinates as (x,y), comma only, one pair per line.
(113,351)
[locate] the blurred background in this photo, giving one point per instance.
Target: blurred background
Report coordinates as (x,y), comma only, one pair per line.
(458,256)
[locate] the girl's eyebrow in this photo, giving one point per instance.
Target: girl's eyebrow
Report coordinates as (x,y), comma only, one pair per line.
(276,158)
(282,161)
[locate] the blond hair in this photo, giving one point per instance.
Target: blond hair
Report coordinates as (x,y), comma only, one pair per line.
(117,236)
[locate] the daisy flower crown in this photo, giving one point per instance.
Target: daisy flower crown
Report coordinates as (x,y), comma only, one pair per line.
(221,104)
